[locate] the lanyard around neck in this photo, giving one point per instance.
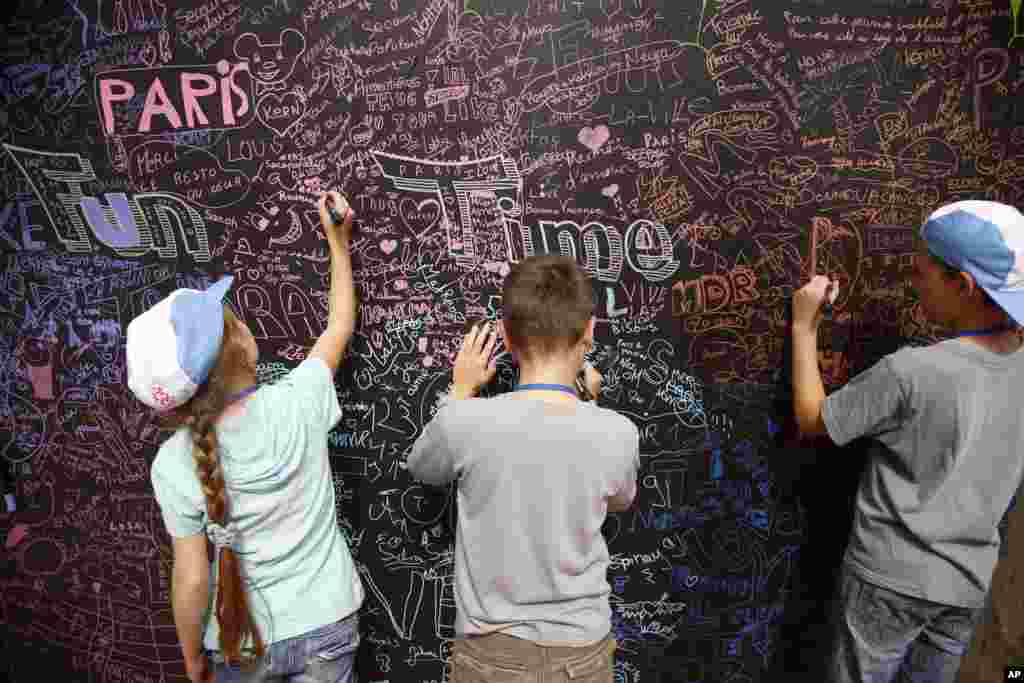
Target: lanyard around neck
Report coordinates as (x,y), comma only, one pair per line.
(234,398)
(548,387)
(986,331)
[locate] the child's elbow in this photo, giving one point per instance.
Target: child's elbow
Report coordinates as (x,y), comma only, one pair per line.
(802,425)
(412,466)
(810,425)
(426,477)
(423,473)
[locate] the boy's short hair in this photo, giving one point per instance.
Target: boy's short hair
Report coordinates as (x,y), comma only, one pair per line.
(547,302)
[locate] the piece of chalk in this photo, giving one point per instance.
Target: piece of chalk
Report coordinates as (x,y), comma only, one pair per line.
(831,294)
(337,216)
(11,501)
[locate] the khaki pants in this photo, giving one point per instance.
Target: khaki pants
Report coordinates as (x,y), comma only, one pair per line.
(500,658)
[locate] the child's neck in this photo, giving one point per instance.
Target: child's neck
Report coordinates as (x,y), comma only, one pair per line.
(562,371)
(1006,341)
(240,382)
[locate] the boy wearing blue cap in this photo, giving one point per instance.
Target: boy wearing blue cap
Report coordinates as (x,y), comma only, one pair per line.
(538,470)
(947,450)
(247,469)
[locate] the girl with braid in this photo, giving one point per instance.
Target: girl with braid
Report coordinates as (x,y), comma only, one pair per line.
(246,468)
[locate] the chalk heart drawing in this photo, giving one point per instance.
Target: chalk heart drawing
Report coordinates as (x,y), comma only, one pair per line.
(594,138)
(16,535)
(610,191)
(419,217)
(280,112)
(388,246)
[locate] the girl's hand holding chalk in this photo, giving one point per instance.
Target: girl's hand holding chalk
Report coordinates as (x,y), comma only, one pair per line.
(336,215)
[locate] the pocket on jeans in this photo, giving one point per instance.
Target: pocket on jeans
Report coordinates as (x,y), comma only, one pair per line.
(885,621)
(335,641)
(597,667)
(469,669)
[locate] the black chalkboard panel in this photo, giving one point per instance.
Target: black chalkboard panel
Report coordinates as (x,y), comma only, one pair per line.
(700,158)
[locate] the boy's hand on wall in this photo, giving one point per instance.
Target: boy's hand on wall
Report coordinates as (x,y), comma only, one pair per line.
(474,366)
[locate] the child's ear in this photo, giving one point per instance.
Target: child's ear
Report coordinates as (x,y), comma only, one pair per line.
(246,45)
(509,347)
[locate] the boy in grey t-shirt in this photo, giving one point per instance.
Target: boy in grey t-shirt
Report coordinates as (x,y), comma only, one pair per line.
(947,428)
(538,470)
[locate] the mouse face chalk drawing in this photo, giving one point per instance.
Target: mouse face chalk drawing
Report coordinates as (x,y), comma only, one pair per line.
(271,62)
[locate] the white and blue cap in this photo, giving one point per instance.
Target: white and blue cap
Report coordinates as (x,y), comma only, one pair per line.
(172,347)
(985,239)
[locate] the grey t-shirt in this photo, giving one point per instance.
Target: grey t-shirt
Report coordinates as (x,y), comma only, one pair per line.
(534,482)
(948,455)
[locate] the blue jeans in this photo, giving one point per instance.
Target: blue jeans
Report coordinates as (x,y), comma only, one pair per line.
(326,655)
(881,636)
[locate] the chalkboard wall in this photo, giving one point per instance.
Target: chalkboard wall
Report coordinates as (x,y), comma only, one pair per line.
(698,157)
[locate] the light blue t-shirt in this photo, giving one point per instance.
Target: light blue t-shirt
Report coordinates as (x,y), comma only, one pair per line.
(273,450)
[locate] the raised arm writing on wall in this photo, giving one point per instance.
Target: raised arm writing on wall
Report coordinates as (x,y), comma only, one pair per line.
(341,313)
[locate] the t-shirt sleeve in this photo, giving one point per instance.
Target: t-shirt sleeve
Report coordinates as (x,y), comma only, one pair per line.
(629,467)
(307,396)
(431,460)
(178,495)
(871,404)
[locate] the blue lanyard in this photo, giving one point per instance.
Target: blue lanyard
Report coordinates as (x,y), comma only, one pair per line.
(987,330)
(550,387)
(242,394)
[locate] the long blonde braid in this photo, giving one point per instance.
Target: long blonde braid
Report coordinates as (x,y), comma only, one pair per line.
(232,610)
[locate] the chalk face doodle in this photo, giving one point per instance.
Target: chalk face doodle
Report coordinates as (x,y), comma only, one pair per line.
(698,160)
(271,62)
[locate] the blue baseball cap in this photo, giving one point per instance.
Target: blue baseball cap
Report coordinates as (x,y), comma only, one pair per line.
(172,347)
(985,239)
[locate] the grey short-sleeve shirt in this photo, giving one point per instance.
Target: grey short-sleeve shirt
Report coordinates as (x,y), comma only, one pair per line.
(534,483)
(947,423)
